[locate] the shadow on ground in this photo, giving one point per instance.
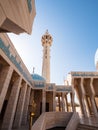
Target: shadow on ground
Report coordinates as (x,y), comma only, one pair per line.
(57,128)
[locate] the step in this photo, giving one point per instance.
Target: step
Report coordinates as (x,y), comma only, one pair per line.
(57,128)
(86,127)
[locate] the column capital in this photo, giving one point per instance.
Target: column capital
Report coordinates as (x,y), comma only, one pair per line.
(82,79)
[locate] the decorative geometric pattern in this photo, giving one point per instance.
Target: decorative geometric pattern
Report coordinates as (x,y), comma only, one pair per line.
(13,59)
(38,77)
(29,5)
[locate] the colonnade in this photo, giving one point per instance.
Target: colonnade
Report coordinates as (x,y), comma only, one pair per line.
(58,101)
(15,93)
(86,89)
(63,104)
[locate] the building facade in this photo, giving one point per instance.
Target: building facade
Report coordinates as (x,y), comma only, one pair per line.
(17,16)
(85,84)
(22,93)
(15,86)
(19,90)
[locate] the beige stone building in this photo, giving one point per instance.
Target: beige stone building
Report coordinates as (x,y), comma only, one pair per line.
(85,84)
(17,16)
(23,95)
(19,90)
(15,86)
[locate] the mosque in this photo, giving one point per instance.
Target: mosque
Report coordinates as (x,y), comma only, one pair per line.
(24,96)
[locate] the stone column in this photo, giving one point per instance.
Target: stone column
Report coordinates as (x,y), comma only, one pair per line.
(94,106)
(72,101)
(4,83)
(11,107)
(59,102)
(20,106)
(73,96)
(63,103)
(31,97)
(66,103)
(54,101)
(43,100)
(92,99)
(26,104)
(88,106)
(83,98)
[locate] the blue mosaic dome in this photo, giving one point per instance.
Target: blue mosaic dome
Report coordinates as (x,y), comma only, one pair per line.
(37,77)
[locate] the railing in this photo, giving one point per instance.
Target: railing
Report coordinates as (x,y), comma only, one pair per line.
(40,123)
(52,119)
(73,123)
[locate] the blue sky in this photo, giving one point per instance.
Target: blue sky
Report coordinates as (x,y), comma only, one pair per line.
(73,25)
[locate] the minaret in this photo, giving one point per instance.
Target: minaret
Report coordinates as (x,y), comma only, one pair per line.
(46,43)
(96,59)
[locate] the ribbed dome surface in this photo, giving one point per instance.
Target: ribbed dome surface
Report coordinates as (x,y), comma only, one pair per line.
(37,77)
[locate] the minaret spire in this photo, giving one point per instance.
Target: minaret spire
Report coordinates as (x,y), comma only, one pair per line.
(33,69)
(47,31)
(46,43)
